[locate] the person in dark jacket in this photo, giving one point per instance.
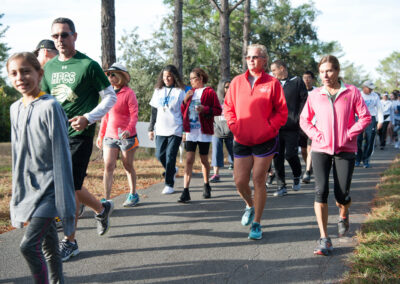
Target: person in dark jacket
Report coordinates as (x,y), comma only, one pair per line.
(296,95)
(222,134)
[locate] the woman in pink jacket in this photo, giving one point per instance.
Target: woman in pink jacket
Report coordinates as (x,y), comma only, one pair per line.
(335,106)
(118,133)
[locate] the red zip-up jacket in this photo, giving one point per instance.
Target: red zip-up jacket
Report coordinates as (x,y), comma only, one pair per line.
(254,115)
(212,107)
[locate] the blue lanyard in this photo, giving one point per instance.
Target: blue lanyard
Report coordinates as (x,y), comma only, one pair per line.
(166,98)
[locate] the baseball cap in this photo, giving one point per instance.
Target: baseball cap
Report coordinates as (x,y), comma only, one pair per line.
(369,84)
(118,67)
(45,43)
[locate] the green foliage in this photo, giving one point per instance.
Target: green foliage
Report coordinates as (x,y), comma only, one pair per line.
(289,35)
(5,103)
(389,70)
(3,46)
(287,32)
(144,62)
(353,74)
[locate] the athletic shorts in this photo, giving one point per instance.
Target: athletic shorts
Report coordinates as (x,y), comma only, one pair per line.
(191,146)
(81,149)
(266,149)
(125,145)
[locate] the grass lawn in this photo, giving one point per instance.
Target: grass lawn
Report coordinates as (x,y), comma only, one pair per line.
(148,170)
(377,257)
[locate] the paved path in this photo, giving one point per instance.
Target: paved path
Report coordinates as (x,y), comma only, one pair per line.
(162,241)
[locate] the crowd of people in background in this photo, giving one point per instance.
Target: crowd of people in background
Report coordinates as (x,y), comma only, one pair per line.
(261,118)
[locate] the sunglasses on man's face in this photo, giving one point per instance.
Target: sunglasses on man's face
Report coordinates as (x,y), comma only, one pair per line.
(109,74)
(62,35)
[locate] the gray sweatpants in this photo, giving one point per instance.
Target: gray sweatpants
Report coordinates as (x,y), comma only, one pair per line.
(40,247)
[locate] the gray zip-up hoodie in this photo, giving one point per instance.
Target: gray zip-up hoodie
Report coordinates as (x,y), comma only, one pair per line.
(41,161)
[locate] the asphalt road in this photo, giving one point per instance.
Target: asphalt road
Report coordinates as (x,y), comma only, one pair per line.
(162,241)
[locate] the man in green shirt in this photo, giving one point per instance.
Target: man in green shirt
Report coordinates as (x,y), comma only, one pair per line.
(78,82)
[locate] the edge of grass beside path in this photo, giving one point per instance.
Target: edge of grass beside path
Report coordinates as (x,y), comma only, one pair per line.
(376,259)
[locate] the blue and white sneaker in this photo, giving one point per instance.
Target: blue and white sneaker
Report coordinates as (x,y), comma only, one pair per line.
(131,200)
(68,249)
(255,231)
(248,216)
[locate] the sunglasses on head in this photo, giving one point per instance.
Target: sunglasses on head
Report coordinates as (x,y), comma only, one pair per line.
(62,35)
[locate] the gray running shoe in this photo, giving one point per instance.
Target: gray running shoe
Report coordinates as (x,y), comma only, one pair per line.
(296,184)
(324,247)
(68,249)
(103,220)
(343,225)
(307,177)
(282,191)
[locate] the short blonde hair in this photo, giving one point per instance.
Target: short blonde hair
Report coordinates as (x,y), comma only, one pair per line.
(261,48)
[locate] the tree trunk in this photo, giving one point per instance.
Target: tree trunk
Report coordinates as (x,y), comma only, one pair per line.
(246,32)
(178,59)
(107,33)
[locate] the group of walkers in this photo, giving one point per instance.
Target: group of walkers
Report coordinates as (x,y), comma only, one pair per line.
(260,118)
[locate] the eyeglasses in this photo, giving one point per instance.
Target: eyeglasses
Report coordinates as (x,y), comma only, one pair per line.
(193,78)
(109,74)
(248,57)
(62,35)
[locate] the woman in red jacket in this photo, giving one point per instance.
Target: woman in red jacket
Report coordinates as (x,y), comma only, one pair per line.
(199,107)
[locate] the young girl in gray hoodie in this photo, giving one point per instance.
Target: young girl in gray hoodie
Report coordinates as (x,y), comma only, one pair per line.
(42,183)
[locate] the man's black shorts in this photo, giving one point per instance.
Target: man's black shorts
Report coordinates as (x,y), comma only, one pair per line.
(81,149)
(265,149)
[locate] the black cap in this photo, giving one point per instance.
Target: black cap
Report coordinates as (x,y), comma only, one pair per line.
(45,43)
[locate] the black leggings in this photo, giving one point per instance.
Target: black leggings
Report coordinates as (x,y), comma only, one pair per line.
(343,166)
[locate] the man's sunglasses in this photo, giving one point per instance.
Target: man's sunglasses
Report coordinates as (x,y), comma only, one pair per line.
(62,35)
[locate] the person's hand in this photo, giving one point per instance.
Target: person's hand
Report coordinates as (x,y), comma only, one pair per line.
(79,123)
(151,135)
(125,134)
(189,94)
(380,124)
(199,108)
(99,142)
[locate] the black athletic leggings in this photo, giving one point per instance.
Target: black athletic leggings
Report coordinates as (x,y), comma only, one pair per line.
(343,166)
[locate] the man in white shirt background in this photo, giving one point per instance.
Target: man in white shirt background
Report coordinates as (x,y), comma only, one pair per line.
(373,103)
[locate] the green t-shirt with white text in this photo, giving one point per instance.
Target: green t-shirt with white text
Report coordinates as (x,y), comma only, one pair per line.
(75,84)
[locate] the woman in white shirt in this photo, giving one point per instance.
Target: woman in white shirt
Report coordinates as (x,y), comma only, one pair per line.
(166,121)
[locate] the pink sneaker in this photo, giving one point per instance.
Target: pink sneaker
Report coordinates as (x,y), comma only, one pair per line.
(214,178)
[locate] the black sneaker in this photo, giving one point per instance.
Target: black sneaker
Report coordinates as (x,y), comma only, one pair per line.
(103,220)
(185,196)
(270,180)
(307,177)
(207,191)
(343,225)
(68,249)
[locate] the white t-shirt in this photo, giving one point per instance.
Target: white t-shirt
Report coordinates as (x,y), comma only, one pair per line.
(374,105)
(169,117)
(195,134)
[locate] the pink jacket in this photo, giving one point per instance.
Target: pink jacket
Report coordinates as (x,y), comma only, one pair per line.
(336,128)
(124,115)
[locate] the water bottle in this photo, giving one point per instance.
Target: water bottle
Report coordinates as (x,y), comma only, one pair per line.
(124,142)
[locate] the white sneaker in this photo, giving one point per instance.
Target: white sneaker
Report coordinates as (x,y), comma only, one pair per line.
(168,190)
(397,145)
